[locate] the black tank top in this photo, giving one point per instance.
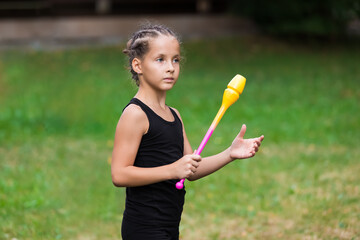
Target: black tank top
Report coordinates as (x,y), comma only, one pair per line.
(159,203)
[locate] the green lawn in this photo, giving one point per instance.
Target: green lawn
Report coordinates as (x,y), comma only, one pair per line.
(59,109)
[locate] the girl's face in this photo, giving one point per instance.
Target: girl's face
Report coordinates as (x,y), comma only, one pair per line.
(160,67)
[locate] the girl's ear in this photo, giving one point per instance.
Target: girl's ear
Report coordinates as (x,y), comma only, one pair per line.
(136,65)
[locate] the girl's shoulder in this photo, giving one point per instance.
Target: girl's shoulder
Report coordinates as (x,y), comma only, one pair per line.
(133,112)
(177,112)
(134,117)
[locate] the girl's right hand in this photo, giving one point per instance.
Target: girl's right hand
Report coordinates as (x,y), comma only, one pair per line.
(186,166)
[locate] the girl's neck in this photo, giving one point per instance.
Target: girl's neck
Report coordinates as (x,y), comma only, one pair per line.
(152,98)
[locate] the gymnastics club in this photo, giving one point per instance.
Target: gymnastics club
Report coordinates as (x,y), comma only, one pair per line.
(231,94)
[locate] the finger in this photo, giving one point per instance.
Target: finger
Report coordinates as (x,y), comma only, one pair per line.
(242,131)
(261,138)
(196,158)
(195,164)
(256,146)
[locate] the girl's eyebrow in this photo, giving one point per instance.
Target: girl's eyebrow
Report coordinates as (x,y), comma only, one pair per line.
(162,55)
(176,56)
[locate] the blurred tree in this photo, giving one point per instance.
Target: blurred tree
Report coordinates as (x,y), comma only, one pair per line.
(321,18)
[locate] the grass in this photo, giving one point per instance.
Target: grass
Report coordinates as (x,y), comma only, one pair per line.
(58,111)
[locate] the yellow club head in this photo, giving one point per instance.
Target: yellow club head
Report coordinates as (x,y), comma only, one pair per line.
(237,83)
(233,90)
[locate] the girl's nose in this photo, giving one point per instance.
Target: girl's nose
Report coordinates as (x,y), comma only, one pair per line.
(171,67)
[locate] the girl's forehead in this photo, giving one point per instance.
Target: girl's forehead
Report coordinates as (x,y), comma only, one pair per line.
(164,44)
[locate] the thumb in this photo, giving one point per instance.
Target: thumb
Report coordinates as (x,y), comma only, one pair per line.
(242,131)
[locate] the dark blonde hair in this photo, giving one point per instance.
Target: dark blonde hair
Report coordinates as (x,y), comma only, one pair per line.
(138,44)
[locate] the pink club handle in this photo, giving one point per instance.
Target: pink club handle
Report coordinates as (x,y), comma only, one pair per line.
(180,184)
(231,95)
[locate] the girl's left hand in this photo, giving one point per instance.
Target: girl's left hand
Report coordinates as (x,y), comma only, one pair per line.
(244,148)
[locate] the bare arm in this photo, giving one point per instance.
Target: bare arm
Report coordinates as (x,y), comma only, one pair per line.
(240,149)
(133,124)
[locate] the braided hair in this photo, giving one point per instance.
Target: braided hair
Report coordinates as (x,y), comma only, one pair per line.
(138,44)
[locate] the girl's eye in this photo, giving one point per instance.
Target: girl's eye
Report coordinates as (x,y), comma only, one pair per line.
(176,60)
(159,59)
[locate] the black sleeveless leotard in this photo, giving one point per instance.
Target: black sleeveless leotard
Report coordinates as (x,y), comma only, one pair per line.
(154,211)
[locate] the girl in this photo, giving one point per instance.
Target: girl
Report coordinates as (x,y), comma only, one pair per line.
(151,151)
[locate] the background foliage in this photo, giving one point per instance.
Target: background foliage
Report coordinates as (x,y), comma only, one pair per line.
(319,18)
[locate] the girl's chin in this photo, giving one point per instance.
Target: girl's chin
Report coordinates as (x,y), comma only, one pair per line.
(169,84)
